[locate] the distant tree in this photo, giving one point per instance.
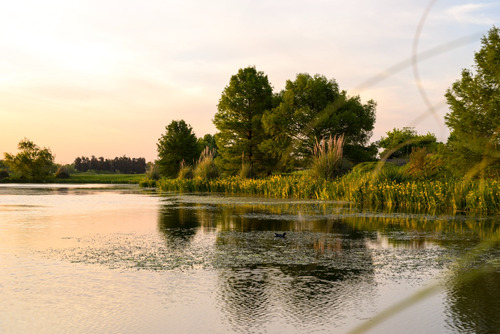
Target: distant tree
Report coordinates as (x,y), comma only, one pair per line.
(177,144)
(122,164)
(474,120)
(32,162)
(207,140)
(238,119)
(399,143)
(313,108)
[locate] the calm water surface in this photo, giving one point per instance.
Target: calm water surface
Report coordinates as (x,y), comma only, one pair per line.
(119,259)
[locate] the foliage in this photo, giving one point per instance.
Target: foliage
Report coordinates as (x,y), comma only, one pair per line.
(327,158)
(122,164)
(205,168)
(424,166)
(177,144)
(207,140)
(62,172)
(474,120)
(4,174)
(153,173)
(311,108)
(245,171)
(399,143)
(32,162)
(185,171)
(369,189)
(238,119)
(91,177)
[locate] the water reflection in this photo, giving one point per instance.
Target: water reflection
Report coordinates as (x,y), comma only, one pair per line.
(178,225)
(321,264)
(329,259)
(337,265)
(474,304)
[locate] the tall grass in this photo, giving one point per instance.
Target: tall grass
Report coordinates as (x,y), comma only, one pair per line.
(185,171)
(327,158)
(205,168)
(481,196)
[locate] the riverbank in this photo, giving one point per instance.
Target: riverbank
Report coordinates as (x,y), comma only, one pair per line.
(469,196)
(81,178)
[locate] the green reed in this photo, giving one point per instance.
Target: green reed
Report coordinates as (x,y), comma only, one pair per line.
(477,196)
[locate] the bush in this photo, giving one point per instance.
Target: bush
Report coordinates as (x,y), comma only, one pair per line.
(62,172)
(206,168)
(327,158)
(185,171)
(4,174)
(423,165)
(153,173)
(245,171)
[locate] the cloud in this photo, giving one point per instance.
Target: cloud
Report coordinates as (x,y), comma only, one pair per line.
(475,13)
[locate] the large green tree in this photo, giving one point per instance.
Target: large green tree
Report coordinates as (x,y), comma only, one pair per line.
(238,119)
(399,143)
(32,162)
(177,144)
(474,119)
(312,108)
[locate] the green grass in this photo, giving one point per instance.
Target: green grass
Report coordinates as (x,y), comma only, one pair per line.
(382,190)
(102,178)
(81,178)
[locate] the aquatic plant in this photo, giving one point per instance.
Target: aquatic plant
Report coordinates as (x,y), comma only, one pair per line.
(475,196)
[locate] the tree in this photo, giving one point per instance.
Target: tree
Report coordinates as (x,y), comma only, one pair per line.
(400,143)
(177,144)
(238,119)
(207,140)
(474,119)
(31,162)
(311,109)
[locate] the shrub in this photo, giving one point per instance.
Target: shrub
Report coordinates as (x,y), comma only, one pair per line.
(327,158)
(62,172)
(4,174)
(206,168)
(185,171)
(153,172)
(245,171)
(423,165)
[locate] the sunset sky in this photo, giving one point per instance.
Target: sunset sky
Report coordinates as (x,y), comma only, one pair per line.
(104,77)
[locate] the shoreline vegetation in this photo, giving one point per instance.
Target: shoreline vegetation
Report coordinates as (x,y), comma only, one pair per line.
(480,196)
(312,141)
(85,178)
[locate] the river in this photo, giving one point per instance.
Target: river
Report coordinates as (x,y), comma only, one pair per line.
(121,259)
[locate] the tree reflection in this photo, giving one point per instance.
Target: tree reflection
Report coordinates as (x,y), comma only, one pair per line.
(474,304)
(178,225)
(319,267)
(326,263)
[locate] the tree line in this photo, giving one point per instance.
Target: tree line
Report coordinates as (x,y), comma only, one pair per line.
(124,164)
(267,132)
(261,132)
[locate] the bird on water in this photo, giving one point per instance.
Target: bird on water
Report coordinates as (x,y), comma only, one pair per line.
(279,235)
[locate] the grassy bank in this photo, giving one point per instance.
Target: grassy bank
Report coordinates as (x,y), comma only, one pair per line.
(80,178)
(103,178)
(476,196)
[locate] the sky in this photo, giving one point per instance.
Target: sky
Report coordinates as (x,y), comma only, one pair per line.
(105,77)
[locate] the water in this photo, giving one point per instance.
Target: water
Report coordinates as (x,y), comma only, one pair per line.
(119,259)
